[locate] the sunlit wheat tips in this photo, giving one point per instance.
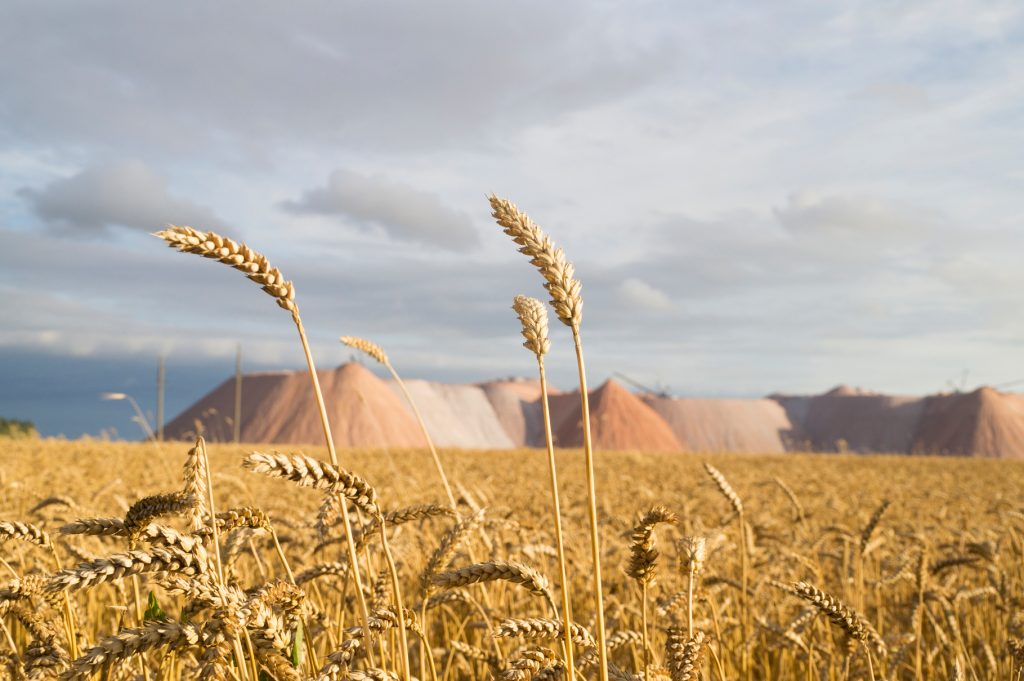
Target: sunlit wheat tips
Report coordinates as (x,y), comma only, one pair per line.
(239,256)
(558,273)
(534,319)
(368,347)
(725,488)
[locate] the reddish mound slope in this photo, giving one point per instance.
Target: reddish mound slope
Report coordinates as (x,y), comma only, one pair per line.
(618,420)
(860,421)
(280,407)
(724,425)
(984,423)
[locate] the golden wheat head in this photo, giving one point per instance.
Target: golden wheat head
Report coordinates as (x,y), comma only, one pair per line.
(254,265)
(534,319)
(546,257)
(365,346)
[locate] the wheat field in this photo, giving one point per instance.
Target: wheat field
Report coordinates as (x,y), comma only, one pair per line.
(170,561)
(935,579)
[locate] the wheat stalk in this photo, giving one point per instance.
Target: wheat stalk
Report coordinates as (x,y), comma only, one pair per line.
(377,352)
(533,318)
(257,268)
(196,484)
(693,552)
(567,301)
(550,260)
(842,616)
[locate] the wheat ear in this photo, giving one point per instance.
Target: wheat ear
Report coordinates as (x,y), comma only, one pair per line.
(26,532)
(643,559)
(567,300)
(533,318)
(130,642)
(147,509)
(156,559)
(737,505)
(541,628)
(256,267)
(693,552)
(683,655)
(195,485)
(497,570)
(842,616)
(306,471)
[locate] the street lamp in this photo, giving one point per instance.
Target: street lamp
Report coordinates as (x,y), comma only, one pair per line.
(140,418)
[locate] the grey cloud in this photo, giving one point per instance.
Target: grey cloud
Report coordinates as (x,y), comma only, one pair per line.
(637,292)
(125,193)
(368,75)
(862,217)
(403,212)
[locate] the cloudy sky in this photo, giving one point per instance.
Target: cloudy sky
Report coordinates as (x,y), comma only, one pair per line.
(758,197)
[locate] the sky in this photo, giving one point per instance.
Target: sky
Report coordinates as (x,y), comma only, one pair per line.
(758,197)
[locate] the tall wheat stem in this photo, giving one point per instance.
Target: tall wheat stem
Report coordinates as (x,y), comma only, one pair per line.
(643,632)
(426,434)
(557,513)
(396,588)
(353,556)
(744,610)
(595,543)
(204,456)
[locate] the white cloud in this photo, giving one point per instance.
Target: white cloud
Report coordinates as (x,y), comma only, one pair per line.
(403,212)
(639,293)
(808,213)
(121,194)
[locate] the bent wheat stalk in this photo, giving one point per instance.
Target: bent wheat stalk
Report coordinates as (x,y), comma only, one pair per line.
(377,352)
(737,505)
(256,267)
(564,288)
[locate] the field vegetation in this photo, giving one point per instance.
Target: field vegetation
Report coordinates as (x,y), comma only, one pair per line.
(935,580)
(180,561)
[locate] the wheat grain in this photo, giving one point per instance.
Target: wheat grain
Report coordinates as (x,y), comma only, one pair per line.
(643,555)
(239,256)
(550,260)
(26,532)
(147,509)
(121,565)
(306,471)
(683,654)
(372,349)
(541,628)
(534,320)
(131,641)
(516,573)
(725,488)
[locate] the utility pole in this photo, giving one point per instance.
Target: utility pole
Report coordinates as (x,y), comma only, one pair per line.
(238,394)
(160,401)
